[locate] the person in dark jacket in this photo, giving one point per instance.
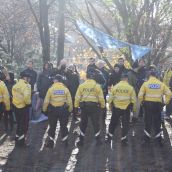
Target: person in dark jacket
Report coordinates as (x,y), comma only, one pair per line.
(91,64)
(32,72)
(142,74)
(72,76)
(122,68)
(114,76)
(62,70)
(132,76)
(101,67)
(44,80)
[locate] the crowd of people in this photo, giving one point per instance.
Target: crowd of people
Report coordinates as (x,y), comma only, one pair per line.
(141,90)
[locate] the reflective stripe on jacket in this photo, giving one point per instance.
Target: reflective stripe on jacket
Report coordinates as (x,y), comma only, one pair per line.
(122,95)
(57,95)
(153,90)
(90,91)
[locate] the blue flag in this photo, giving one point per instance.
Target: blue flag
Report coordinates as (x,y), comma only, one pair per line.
(104,40)
(101,39)
(138,51)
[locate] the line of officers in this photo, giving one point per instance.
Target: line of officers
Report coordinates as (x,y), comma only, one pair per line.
(58,105)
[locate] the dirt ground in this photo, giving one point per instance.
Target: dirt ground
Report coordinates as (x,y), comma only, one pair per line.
(106,158)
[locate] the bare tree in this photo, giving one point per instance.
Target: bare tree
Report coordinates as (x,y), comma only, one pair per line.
(43,26)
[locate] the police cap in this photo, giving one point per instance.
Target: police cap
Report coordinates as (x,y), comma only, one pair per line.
(124,75)
(91,73)
(25,74)
(58,77)
(152,70)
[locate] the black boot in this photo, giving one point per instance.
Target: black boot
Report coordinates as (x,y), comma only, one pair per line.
(108,138)
(81,141)
(158,142)
(98,141)
(50,144)
(65,143)
(124,142)
(146,141)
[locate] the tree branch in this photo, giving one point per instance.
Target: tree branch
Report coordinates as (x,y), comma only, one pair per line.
(33,12)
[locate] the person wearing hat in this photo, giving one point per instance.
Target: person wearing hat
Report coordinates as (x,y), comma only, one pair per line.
(89,97)
(21,100)
(151,96)
(4,96)
(114,76)
(57,104)
(122,100)
(91,63)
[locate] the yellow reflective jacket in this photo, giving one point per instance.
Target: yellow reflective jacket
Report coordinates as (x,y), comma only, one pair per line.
(153,90)
(89,91)
(167,77)
(4,95)
(122,95)
(21,93)
(57,95)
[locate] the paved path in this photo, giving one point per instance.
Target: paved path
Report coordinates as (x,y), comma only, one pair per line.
(106,158)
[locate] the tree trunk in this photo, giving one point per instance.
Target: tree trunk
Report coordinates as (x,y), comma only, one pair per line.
(43,27)
(44,31)
(61,32)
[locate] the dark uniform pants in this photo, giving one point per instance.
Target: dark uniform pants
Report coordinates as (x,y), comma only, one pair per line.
(55,114)
(152,117)
(90,109)
(2,109)
(169,108)
(22,119)
(8,118)
(125,115)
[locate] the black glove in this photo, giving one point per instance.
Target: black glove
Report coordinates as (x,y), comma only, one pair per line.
(103,110)
(134,120)
(130,107)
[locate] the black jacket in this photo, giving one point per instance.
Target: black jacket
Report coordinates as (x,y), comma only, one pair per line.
(142,75)
(43,84)
(73,82)
(114,78)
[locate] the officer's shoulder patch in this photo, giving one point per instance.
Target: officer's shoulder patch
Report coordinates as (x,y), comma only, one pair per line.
(58,92)
(154,86)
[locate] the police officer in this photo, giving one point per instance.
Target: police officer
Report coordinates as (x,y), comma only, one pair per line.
(123,100)
(4,96)
(89,97)
(167,80)
(151,96)
(21,100)
(58,104)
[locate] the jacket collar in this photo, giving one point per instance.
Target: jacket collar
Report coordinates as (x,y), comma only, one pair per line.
(23,81)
